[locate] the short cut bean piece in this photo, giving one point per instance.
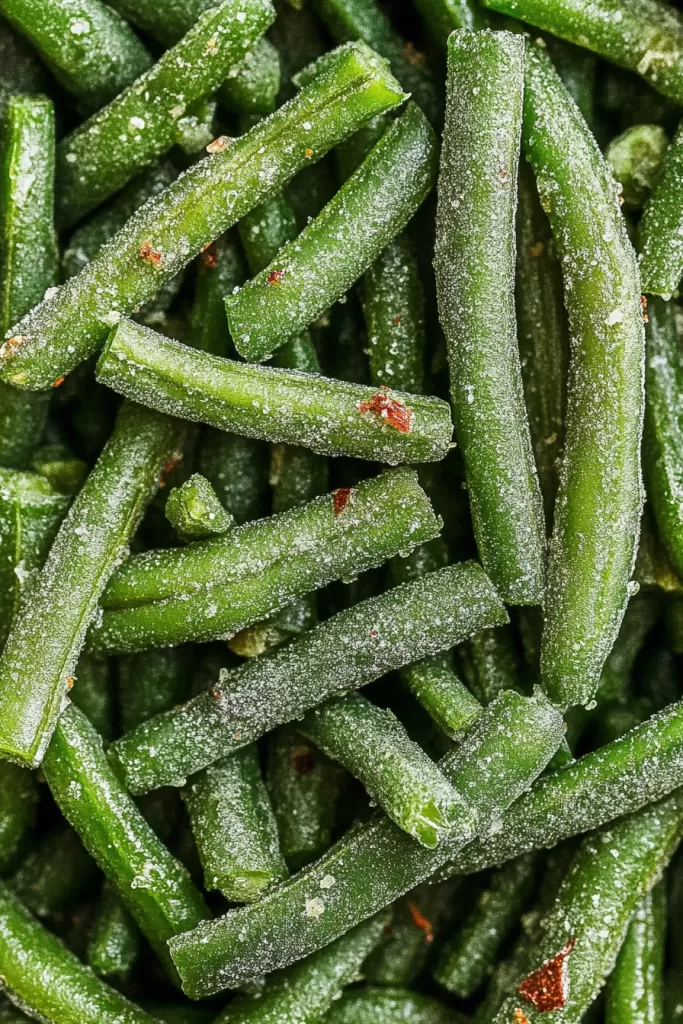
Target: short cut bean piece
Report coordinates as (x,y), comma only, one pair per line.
(18,799)
(659,230)
(194,511)
(636,158)
(43,977)
(141,124)
(172,228)
(346,651)
(372,744)
(475,283)
(635,986)
(600,498)
(114,944)
(331,253)
(155,887)
(47,635)
(375,862)
(91,51)
(219,270)
(252,86)
(645,36)
(281,405)
(258,569)
(389,1006)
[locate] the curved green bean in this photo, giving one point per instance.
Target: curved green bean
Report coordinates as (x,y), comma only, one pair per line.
(635,986)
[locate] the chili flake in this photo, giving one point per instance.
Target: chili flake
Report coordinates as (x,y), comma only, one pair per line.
(150,254)
(546,987)
(340,498)
(397,415)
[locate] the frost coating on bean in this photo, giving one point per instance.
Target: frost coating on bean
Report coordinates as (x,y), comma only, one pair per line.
(599,501)
(660,231)
(341,654)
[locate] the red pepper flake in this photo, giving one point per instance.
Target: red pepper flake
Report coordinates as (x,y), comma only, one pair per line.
(621,200)
(219,144)
(308,153)
(546,988)
(643,306)
(150,254)
(521,1017)
(537,249)
(168,467)
(276,277)
(58,382)
(69,682)
(397,415)
(503,176)
(421,922)
(396,321)
(340,498)
(374,634)
(209,256)
(303,760)
(12,345)
(215,693)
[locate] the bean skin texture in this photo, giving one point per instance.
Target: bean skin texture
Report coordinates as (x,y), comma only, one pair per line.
(659,230)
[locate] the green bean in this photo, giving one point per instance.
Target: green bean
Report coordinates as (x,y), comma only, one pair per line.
(28,255)
(467,958)
(481,148)
(141,124)
(659,230)
(181,1013)
(53,874)
(220,269)
(577,68)
(369,210)
(93,693)
(30,514)
(327,416)
(375,862)
(306,991)
(609,874)
(644,36)
(195,130)
(350,154)
(47,635)
(641,615)
(156,888)
(60,467)
(636,158)
(20,69)
(635,987)
(298,36)
(10,1015)
(599,503)
(305,793)
(364,19)
(349,650)
(542,334)
(170,229)
(418,918)
(151,682)
(653,565)
(41,976)
(442,16)
(252,85)
(92,53)
(165,20)
(234,828)
(490,664)
(194,511)
(372,744)
(394,309)
(388,1006)
(252,572)
(114,944)
(18,799)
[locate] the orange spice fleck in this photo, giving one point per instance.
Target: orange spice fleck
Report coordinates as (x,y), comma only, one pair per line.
(56,383)
(340,499)
(212,45)
(537,249)
(303,759)
(421,922)
(215,693)
(387,929)
(209,256)
(503,175)
(69,682)
(308,153)
(397,415)
(396,321)
(643,306)
(219,144)
(150,254)
(546,987)
(275,277)
(621,200)
(374,634)
(12,345)
(521,1017)
(168,467)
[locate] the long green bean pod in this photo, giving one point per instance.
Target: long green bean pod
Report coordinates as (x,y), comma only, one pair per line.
(41,976)
(92,53)
(170,229)
(645,36)
(542,334)
(114,944)
(155,887)
(467,958)
(141,124)
(252,86)
(234,828)
(581,935)
(635,986)
(305,793)
(331,253)
(47,635)
(93,693)
(659,230)
(151,682)
(329,416)
(306,991)
(253,571)
(476,199)
(53,874)
(341,654)
(374,747)
(375,862)
(599,502)
(30,513)
(28,254)
(18,798)
(388,1006)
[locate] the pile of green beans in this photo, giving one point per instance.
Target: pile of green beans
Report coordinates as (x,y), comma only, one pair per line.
(341,511)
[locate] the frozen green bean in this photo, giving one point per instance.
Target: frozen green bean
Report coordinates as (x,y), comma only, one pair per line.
(659,230)
(114,944)
(151,682)
(635,986)
(194,511)
(53,874)
(636,158)
(389,1006)
(18,799)
(252,86)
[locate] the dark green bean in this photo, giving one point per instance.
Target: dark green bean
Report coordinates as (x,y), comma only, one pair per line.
(20,69)
(346,651)
(219,270)
(152,682)
(389,1006)
(635,986)
(169,230)
(636,158)
(659,230)
(234,828)
(481,149)
(93,693)
(252,85)
(442,16)
(18,798)
(53,874)
(114,944)
(490,663)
